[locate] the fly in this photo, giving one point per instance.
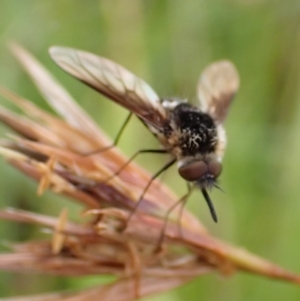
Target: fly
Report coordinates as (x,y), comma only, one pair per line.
(193,135)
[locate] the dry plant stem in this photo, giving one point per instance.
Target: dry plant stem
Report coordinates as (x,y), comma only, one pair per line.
(218,253)
(222,256)
(122,290)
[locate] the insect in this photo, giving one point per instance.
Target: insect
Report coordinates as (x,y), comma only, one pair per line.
(193,135)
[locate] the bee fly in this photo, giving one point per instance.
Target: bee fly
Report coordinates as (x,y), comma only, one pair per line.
(193,135)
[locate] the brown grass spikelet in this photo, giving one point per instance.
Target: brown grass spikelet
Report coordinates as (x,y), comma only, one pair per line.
(50,150)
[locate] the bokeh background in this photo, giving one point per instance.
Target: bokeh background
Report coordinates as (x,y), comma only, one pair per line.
(168,43)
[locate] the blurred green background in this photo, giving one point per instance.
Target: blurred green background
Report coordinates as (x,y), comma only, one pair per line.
(168,43)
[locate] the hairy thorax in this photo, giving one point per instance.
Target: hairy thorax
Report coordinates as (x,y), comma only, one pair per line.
(192,133)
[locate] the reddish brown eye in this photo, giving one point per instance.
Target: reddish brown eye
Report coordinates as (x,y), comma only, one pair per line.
(193,171)
(214,168)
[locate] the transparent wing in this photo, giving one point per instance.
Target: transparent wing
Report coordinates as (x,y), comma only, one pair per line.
(216,88)
(113,81)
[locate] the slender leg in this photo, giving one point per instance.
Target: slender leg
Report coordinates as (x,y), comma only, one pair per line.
(142,151)
(186,197)
(164,168)
(100,150)
(182,200)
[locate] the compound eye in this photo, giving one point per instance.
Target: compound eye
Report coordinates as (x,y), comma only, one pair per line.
(214,168)
(193,171)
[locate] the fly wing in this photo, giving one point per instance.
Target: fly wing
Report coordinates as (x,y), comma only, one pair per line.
(216,88)
(113,81)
